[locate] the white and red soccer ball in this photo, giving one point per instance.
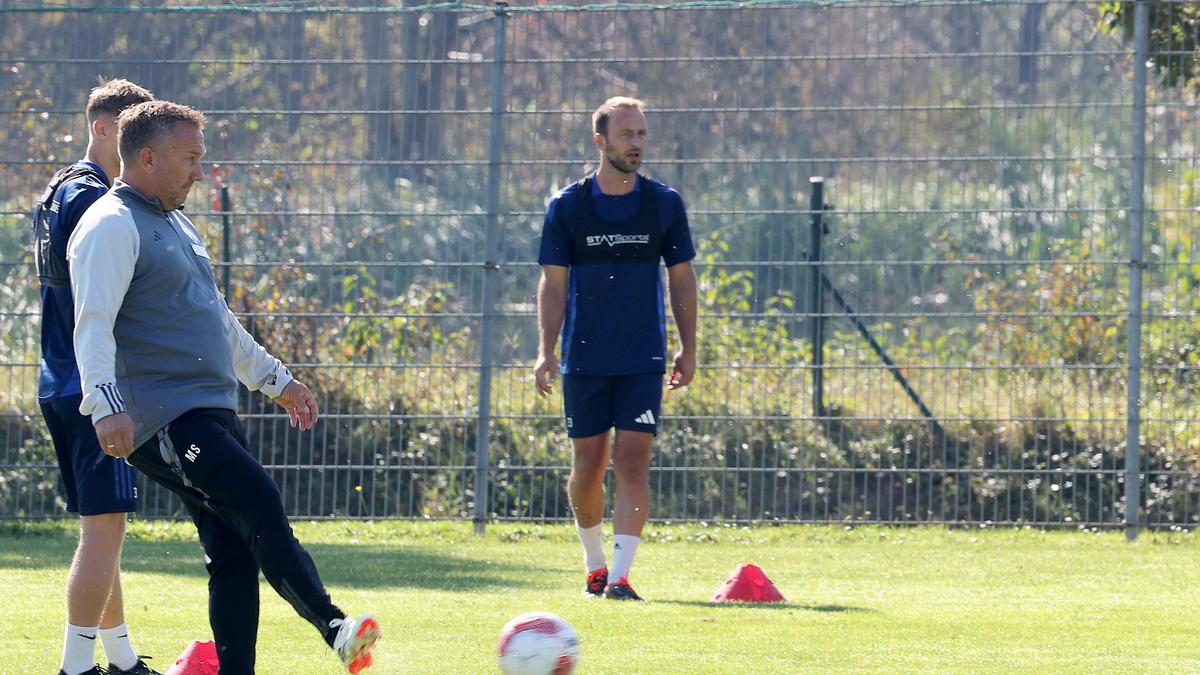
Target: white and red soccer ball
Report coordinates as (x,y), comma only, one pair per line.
(538,643)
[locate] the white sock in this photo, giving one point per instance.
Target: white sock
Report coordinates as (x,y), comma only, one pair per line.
(624,548)
(79,649)
(117,647)
(592,539)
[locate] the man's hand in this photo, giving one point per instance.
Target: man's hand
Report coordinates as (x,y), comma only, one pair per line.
(115,434)
(300,405)
(544,373)
(685,370)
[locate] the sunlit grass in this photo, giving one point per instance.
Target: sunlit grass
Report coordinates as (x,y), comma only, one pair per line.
(863,599)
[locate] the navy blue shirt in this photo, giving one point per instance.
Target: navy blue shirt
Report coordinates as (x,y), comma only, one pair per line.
(615,322)
(59,376)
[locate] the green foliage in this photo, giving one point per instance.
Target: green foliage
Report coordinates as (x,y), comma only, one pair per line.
(402,329)
(1174,38)
(740,329)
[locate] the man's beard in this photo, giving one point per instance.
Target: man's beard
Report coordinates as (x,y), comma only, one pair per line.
(617,162)
(181,196)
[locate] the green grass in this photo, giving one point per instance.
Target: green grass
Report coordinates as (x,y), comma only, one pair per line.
(864,599)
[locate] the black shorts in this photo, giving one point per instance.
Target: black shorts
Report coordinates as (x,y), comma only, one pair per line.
(93,482)
(593,404)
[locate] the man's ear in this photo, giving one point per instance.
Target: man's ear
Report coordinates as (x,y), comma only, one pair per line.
(146,157)
(599,139)
(100,128)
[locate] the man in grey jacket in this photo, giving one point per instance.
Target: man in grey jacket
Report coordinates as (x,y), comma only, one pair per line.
(160,357)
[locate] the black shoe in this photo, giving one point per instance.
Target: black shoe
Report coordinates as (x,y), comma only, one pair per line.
(621,590)
(96,670)
(596,581)
(139,668)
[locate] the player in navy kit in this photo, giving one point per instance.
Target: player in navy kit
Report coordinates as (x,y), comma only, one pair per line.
(602,243)
(101,489)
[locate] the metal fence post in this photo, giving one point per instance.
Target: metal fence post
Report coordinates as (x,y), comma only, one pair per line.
(815,295)
(226,238)
(491,268)
(1133,486)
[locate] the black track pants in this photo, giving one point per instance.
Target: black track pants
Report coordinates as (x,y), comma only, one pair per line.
(202,456)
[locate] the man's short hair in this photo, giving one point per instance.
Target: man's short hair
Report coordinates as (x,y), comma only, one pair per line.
(114,96)
(143,124)
(600,117)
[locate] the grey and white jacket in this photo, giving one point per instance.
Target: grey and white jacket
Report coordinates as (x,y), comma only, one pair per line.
(153,335)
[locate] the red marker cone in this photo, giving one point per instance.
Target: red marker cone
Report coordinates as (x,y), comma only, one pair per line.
(200,658)
(748,583)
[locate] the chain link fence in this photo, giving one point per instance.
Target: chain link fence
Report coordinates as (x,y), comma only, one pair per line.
(982,277)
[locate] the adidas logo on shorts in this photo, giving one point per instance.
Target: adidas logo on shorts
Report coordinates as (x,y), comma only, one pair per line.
(645,418)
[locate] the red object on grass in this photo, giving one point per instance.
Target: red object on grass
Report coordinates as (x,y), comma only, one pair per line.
(748,583)
(200,658)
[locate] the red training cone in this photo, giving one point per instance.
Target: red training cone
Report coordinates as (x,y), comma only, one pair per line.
(748,583)
(200,658)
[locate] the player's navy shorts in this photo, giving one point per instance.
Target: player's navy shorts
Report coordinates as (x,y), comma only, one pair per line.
(93,482)
(596,403)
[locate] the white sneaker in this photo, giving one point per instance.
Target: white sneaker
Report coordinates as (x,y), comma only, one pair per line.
(355,640)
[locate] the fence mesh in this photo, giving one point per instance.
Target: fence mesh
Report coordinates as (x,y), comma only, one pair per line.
(977,157)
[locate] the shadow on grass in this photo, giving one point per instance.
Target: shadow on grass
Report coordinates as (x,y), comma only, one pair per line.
(766,606)
(358,565)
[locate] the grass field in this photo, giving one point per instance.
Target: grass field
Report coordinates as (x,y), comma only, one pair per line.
(863,599)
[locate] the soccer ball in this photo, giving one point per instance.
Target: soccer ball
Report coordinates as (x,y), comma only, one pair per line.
(538,643)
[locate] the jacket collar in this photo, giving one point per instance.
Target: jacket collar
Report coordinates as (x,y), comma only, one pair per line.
(125,189)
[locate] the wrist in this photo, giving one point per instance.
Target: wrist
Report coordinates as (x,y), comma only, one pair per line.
(277,382)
